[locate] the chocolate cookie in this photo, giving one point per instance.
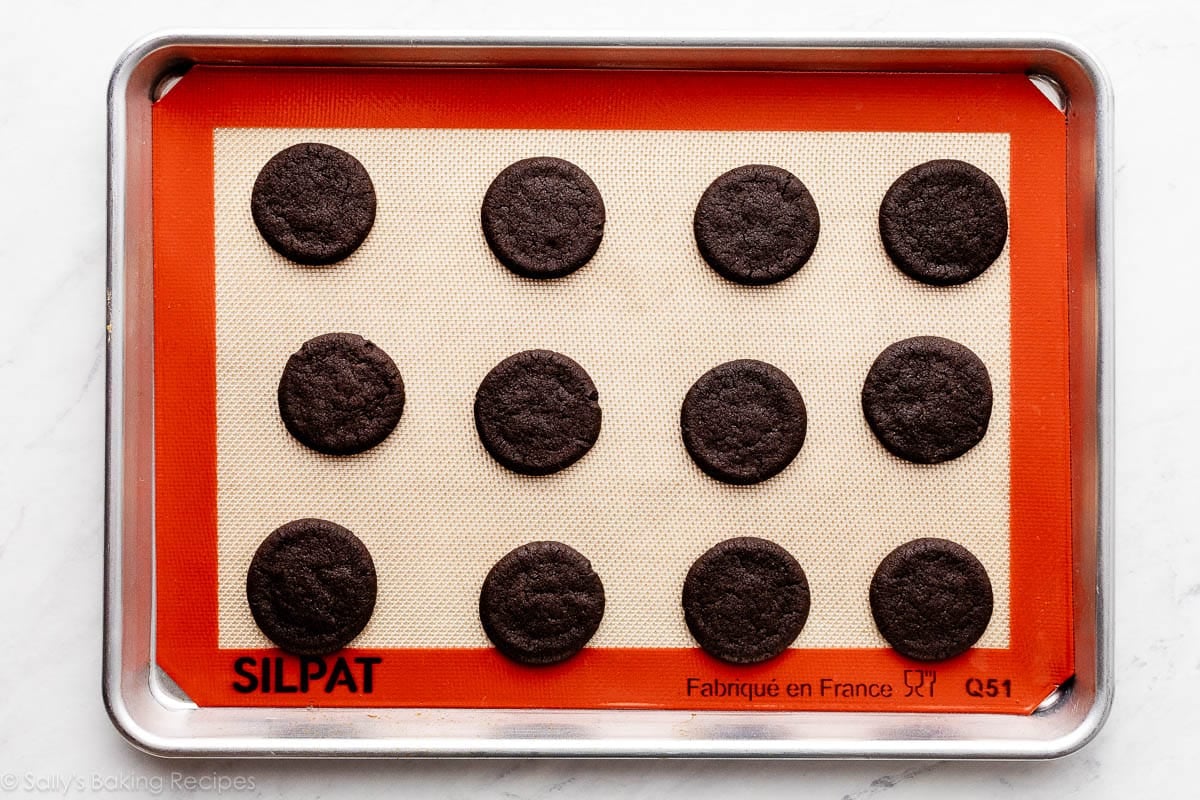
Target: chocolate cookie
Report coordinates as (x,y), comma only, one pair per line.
(757,224)
(340,394)
(311,587)
(313,203)
(931,599)
(536,412)
(743,421)
(944,222)
(543,217)
(928,399)
(745,600)
(541,603)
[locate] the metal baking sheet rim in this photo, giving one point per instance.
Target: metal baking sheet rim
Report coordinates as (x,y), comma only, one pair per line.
(151,716)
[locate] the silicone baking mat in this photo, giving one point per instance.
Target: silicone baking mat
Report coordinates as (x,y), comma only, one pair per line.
(645,317)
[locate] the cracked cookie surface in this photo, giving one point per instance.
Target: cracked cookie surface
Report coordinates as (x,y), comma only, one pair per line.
(931,599)
(537,412)
(745,600)
(543,217)
(311,587)
(944,222)
(743,421)
(340,394)
(541,603)
(313,203)
(757,224)
(928,399)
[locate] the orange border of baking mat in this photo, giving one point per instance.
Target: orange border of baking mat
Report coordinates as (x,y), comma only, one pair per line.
(1040,655)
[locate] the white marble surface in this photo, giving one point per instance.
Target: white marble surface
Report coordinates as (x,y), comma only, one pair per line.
(54,62)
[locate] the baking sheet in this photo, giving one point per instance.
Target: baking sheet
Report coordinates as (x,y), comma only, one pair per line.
(176,540)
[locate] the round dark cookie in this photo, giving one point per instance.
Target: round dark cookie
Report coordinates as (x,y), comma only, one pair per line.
(541,603)
(931,599)
(743,421)
(944,222)
(537,412)
(757,224)
(311,587)
(340,394)
(928,399)
(745,600)
(543,217)
(313,203)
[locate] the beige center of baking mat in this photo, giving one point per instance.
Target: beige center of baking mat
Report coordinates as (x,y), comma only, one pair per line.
(645,317)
